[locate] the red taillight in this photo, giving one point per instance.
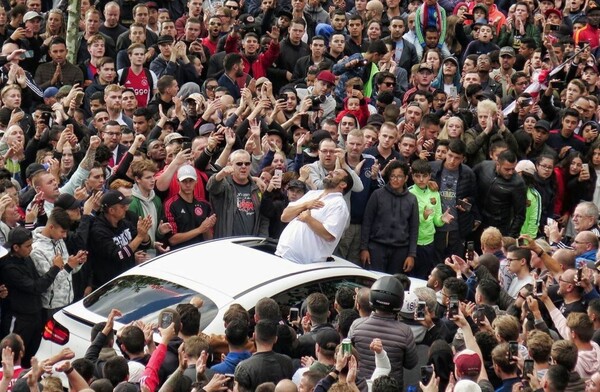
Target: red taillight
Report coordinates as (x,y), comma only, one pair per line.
(56,333)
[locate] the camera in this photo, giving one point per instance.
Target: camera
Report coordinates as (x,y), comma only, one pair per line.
(317,101)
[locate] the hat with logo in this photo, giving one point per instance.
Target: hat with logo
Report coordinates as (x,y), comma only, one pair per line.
(174,136)
(326,76)
(186,172)
(112,198)
(468,362)
(165,39)
(66,201)
(425,67)
(507,50)
(525,166)
(411,302)
(29,15)
(247,21)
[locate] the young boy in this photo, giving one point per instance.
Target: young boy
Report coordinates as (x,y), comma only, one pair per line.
(430,217)
(482,44)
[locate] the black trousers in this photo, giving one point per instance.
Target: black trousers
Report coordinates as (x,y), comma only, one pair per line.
(29,327)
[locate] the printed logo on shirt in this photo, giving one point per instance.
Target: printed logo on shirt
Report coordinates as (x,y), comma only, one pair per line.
(244,203)
(123,239)
(198,211)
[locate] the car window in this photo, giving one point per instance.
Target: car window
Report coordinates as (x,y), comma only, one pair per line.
(141,297)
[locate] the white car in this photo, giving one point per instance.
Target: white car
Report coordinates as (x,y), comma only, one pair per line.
(222,272)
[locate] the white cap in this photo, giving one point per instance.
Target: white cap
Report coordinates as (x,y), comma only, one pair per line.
(185,172)
(409,307)
(525,166)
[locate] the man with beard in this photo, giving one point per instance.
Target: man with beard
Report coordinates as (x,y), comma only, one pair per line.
(234,69)
(255,63)
(113,93)
(157,153)
(589,33)
(316,221)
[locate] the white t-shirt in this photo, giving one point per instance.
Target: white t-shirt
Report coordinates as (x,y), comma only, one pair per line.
(300,244)
(517,284)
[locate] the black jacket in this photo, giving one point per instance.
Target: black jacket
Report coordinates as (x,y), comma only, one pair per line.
(501,202)
(25,285)
(465,188)
(306,342)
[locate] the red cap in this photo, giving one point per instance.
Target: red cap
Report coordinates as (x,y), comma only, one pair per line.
(326,76)
(468,362)
(553,11)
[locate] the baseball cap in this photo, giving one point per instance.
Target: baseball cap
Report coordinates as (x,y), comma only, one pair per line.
(34,168)
(17,236)
(185,172)
(411,302)
(543,124)
(507,50)
(151,4)
(461,386)
(165,39)
(326,76)
(320,135)
(285,13)
(328,339)
(66,201)
(173,136)
(594,67)
(481,22)
(525,166)
(112,198)
(425,67)
(247,21)
(297,184)
(206,129)
(50,92)
(468,362)
(29,15)
(553,11)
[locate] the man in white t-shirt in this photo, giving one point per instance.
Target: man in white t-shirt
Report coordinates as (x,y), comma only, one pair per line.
(518,263)
(316,221)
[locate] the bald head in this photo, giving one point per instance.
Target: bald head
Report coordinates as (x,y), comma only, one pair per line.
(286,385)
(565,257)
(375,6)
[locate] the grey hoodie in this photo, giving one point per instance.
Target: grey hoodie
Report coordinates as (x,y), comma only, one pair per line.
(60,293)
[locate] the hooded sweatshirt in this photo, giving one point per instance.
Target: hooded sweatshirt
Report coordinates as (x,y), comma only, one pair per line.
(60,293)
(144,206)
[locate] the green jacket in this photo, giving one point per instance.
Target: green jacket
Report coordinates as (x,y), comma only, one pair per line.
(427,199)
(533,213)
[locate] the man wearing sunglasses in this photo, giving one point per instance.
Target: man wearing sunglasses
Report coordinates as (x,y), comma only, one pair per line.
(235,197)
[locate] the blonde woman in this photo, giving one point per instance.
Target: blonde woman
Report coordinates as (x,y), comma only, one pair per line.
(453,129)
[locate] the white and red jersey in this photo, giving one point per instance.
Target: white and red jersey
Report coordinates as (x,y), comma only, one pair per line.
(141,86)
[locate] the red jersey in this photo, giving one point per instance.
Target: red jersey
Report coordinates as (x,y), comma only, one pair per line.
(140,85)
(17,373)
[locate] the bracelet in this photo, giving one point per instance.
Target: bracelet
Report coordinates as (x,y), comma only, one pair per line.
(69,370)
(540,253)
(337,372)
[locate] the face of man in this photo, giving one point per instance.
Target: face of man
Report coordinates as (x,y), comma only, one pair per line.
(387,137)
(471,78)
(113,100)
(396,29)
(214,27)
(355,146)
(156,151)
(431,39)
(296,33)
(407,147)
(338,22)
(346,125)
(141,15)
(137,57)
(327,155)
(424,78)
(58,53)
(250,45)
(168,28)
(100,119)
(95,181)
(453,160)
(317,48)
(106,73)
(97,49)
(241,168)
(137,35)
(506,169)
(92,23)
(112,13)
(569,123)
(413,115)
(194,7)
(192,31)
(111,136)
(334,178)
(355,28)
(34,5)
(48,184)
(337,43)
(582,220)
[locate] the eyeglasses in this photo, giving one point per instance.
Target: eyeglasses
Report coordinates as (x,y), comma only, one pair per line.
(389,84)
(547,167)
(232,7)
(577,216)
(565,281)
(396,177)
(581,242)
(243,164)
(327,152)
(111,134)
(511,260)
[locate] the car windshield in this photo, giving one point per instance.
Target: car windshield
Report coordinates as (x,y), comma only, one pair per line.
(141,297)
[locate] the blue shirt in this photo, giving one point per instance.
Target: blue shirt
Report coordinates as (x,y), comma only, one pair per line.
(230,362)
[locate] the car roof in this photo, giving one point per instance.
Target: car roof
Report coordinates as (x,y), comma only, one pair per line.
(248,260)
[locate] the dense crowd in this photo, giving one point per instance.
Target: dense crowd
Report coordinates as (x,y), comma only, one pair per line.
(455,142)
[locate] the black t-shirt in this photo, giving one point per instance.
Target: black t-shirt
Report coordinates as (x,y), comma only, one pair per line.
(243,218)
(184,216)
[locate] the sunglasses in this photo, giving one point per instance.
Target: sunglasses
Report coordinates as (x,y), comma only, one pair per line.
(243,164)
(232,7)
(389,84)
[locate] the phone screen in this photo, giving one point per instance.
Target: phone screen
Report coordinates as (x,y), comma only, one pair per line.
(166,319)
(426,374)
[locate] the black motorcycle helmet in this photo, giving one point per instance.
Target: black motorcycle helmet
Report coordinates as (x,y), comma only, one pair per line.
(387,294)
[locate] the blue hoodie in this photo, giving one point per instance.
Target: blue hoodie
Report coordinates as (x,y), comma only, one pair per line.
(230,362)
(438,82)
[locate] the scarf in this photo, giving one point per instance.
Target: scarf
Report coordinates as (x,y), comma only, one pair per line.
(438,15)
(149,208)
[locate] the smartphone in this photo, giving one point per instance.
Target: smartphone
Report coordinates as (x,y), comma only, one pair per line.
(579,274)
(558,84)
(513,350)
(453,91)
(186,146)
(585,167)
(278,173)
(294,314)
(469,17)
(464,204)
(526,102)
(522,242)
(479,315)
(166,319)
(553,27)
(27,54)
(470,250)
(549,221)
(528,367)
(229,382)
(539,287)
(426,374)
(357,87)
(582,45)
(453,307)
(79,98)
(420,312)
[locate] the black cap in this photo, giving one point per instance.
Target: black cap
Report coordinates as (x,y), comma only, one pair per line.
(17,236)
(543,124)
(165,39)
(297,184)
(66,201)
(112,198)
(34,168)
(320,135)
